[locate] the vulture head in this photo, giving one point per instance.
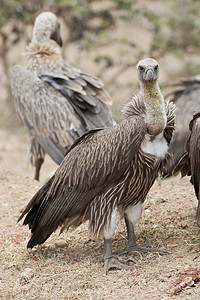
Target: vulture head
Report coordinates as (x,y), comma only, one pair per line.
(148,73)
(148,70)
(46,27)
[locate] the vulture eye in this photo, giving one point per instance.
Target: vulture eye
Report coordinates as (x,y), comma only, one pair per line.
(156,68)
(141,68)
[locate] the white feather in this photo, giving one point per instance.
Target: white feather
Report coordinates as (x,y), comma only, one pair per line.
(133,212)
(157,147)
(109,230)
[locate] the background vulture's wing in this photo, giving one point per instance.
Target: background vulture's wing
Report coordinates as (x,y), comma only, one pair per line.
(50,118)
(85,93)
(186,98)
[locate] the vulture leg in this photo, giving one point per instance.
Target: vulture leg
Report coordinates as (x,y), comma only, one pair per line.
(132,217)
(38,164)
(109,260)
(132,245)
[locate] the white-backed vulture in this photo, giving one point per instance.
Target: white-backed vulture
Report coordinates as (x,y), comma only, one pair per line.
(56,101)
(186,97)
(108,170)
(189,164)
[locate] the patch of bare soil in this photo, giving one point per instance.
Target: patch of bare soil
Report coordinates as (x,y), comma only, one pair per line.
(70,266)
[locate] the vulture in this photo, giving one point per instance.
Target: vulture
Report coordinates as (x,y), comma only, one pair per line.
(56,101)
(108,172)
(186,97)
(189,164)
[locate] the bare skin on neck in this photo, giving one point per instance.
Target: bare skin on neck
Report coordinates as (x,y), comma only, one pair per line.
(148,72)
(156,116)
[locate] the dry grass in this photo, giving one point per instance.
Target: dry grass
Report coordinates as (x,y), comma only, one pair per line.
(70,266)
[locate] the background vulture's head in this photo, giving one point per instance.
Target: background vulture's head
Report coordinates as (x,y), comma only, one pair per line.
(47,27)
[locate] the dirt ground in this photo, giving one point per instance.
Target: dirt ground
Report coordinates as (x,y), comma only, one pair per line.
(70,266)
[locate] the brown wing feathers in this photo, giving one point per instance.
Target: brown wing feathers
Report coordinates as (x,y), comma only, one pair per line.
(76,182)
(81,90)
(51,129)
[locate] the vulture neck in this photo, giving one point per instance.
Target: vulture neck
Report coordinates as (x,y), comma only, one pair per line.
(156,119)
(41,35)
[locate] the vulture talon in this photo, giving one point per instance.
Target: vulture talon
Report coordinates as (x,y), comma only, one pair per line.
(141,250)
(112,262)
(132,246)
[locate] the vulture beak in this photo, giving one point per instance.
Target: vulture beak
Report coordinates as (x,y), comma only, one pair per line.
(57,37)
(59,41)
(149,75)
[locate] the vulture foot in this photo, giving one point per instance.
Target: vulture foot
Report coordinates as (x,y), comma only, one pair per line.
(112,262)
(140,250)
(132,246)
(109,260)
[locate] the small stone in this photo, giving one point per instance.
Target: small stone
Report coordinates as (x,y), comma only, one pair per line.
(27,275)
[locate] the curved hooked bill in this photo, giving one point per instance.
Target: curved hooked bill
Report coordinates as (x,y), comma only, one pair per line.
(57,37)
(149,75)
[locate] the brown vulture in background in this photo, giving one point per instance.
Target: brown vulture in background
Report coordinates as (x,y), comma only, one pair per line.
(186,97)
(189,164)
(108,171)
(56,101)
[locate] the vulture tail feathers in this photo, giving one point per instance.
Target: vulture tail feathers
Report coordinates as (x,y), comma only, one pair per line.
(182,166)
(40,236)
(33,205)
